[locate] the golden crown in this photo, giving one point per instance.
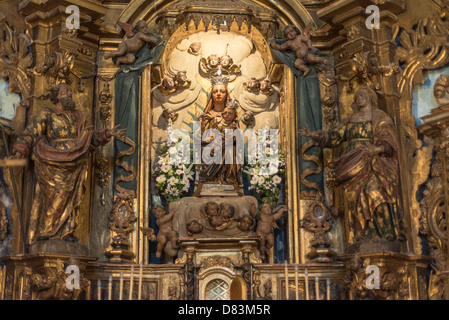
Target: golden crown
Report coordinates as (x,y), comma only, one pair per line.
(219,79)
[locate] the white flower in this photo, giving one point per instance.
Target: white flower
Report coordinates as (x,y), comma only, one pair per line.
(264,171)
(166,168)
(172,150)
(253,180)
(172,181)
(179,172)
(273,169)
(161,178)
(260,180)
(277,179)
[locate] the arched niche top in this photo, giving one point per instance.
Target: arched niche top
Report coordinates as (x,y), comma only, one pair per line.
(252,42)
(286,11)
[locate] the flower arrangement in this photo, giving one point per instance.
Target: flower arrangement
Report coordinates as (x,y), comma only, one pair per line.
(266,168)
(172,174)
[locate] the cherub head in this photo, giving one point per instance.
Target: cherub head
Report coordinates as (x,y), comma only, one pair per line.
(181,77)
(229,114)
(291,32)
(211,208)
(246,223)
(253,84)
(248,118)
(158,211)
(266,209)
(216,221)
(265,85)
(213,61)
(227,211)
(168,83)
(441,89)
(195,48)
(141,26)
(226,61)
(170,114)
(193,227)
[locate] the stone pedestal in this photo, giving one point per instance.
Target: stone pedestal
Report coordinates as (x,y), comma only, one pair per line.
(193,208)
(370,246)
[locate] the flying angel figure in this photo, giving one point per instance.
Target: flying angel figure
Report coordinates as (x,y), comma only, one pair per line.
(301,45)
(127,49)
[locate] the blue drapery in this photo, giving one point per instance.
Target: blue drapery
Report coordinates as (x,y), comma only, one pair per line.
(127,105)
(308,106)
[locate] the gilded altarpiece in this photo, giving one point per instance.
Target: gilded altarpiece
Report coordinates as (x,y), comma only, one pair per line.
(136,240)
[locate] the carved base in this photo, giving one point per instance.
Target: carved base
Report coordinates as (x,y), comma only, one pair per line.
(120,252)
(59,246)
(371,246)
(43,277)
(192,208)
(401,276)
(321,255)
(218,190)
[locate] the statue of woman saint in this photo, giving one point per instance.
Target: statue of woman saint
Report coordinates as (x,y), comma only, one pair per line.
(368,168)
(220,115)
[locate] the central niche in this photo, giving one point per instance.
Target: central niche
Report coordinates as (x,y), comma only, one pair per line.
(182,94)
(188,68)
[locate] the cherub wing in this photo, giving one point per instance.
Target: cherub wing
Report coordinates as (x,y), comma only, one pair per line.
(234,69)
(203,65)
(128,29)
(307,31)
